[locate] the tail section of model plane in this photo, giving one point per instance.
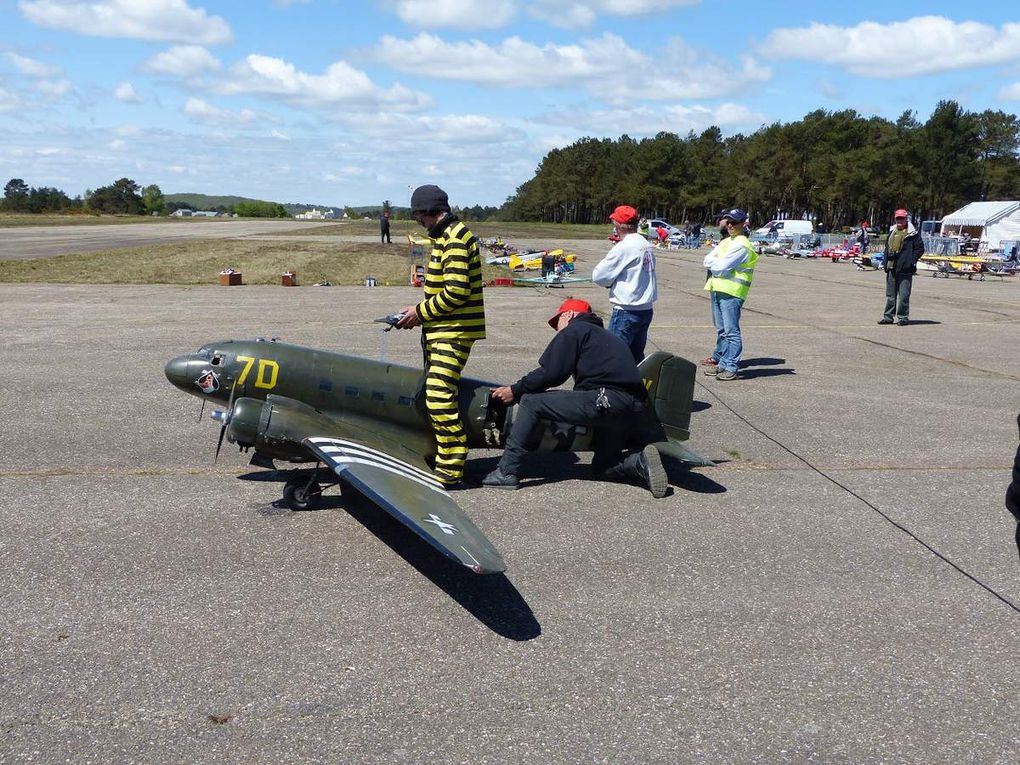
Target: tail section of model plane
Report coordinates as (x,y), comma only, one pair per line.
(669,381)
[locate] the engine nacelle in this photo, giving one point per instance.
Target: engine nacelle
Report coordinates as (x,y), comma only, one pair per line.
(274,427)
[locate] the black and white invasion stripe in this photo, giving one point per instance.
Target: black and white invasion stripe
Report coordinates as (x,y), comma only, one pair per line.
(342,452)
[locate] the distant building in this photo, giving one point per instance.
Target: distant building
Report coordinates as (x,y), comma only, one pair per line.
(316,214)
(182,213)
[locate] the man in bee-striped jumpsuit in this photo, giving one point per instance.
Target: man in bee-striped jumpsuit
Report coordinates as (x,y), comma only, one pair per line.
(452,317)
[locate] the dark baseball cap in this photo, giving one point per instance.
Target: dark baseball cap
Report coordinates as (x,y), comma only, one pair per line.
(736,215)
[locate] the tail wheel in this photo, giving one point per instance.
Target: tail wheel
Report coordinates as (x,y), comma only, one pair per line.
(301,493)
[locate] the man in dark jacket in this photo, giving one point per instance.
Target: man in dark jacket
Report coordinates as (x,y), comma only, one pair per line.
(608,395)
(903,249)
(1013,492)
(384,227)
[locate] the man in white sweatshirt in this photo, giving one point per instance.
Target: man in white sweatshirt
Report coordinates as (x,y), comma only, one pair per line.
(628,270)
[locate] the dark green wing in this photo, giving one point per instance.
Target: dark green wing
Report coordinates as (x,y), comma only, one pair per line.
(412,496)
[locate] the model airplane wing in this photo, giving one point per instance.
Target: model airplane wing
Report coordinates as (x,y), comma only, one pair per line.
(412,496)
(550,281)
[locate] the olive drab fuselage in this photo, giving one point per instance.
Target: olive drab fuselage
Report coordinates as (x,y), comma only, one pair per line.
(293,386)
(364,392)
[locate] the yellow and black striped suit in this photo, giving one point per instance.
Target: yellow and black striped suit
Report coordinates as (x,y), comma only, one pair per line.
(453,318)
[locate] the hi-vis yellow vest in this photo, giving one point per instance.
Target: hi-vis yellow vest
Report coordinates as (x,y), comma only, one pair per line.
(735,281)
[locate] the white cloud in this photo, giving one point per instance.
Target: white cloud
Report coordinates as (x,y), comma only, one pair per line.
(647,121)
(182,61)
(606,65)
(920,45)
(8,101)
(172,20)
(340,85)
(33,68)
(583,13)
(208,114)
(462,14)
(513,63)
(53,88)
(126,92)
(457,130)
(1010,92)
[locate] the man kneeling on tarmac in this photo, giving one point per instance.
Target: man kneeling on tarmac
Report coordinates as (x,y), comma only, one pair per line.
(608,396)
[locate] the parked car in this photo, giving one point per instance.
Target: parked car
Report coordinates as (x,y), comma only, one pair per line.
(784,227)
(655,224)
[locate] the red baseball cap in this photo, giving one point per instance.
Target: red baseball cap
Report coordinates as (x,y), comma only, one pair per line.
(570,304)
(901,213)
(625,214)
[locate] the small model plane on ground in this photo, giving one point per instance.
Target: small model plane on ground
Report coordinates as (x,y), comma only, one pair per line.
(362,423)
(551,279)
(971,266)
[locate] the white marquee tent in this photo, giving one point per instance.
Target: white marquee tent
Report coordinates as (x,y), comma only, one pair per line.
(991,223)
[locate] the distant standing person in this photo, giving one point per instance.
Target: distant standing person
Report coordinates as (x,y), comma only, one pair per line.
(628,270)
(384,228)
(730,267)
(862,236)
(903,249)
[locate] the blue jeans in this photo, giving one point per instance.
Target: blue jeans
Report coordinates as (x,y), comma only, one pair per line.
(726,317)
(632,328)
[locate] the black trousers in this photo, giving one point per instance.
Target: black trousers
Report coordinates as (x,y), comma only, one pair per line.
(897,294)
(576,407)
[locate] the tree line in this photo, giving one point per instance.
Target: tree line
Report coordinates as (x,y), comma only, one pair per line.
(122,197)
(837,168)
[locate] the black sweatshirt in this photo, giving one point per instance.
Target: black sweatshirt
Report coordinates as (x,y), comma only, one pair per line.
(594,356)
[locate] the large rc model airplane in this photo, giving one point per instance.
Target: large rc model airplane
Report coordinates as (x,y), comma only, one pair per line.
(365,421)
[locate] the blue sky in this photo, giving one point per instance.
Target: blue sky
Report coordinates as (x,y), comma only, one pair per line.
(336,103)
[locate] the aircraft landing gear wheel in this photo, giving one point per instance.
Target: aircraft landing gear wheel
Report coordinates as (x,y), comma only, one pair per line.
(301,494)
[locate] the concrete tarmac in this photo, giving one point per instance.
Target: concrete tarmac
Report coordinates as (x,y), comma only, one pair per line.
(20,243)
(841,587)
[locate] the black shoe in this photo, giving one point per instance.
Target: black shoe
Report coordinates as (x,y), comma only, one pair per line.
(654,474)
(497,479)
(885,321)
(903,322)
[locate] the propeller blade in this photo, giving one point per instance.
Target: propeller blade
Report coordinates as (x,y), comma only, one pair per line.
(219,441)
(201,411)
(226,420)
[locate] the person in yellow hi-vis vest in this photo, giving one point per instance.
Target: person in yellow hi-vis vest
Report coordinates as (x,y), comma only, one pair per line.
(452,318)
(730,271)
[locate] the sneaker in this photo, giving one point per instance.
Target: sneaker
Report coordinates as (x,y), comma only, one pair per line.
(885,321)
(903,322)
(709,362)
(725,374)
(497,479)
(654,473)
(711,371)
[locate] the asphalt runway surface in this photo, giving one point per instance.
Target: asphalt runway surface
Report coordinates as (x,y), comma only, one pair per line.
(842,587)
(20,243)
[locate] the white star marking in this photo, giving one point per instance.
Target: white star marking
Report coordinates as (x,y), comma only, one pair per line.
(446,528)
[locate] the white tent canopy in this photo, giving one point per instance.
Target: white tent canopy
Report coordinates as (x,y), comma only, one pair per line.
(989,222)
